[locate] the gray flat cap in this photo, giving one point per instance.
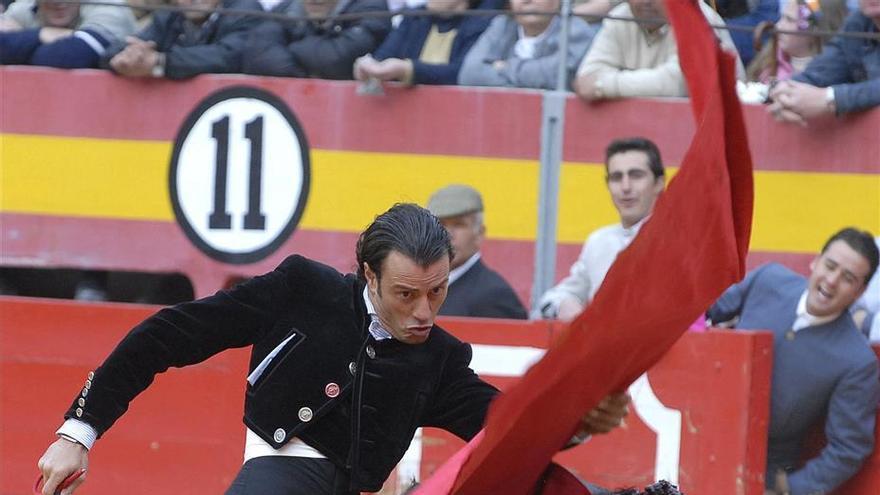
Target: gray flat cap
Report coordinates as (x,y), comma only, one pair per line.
(454,200)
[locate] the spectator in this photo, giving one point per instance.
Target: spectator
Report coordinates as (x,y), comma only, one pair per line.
(634,175)
(178,45)
(474,289)
(844,78)
(866,311)
(746,14)
(788,54)
(319,47)
(424,49)
(62,35)
(822,366)
(638,58)
(523,50)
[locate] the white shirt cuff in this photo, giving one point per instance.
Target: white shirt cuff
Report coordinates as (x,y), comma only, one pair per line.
(80,431)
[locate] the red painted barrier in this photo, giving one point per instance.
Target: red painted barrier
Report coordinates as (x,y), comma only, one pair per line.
(185,435)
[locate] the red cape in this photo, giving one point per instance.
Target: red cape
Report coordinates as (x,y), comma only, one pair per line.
(693,247)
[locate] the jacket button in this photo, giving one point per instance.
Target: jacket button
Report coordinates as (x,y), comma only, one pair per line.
(352,367)
(91,375)
(81,402)
(85,392)
(331,390)
(371,352)
(305,414)
(88,384)
(79,412)
(279,435)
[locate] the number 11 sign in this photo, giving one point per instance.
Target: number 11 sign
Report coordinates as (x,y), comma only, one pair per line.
(239,175)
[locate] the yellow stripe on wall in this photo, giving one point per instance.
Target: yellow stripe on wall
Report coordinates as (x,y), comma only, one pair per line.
(794,212)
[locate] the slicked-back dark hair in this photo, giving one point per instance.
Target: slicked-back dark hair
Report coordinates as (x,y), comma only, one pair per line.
(408,229)
(862,242)
(646,146)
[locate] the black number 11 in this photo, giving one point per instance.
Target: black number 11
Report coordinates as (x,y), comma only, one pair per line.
(219,217)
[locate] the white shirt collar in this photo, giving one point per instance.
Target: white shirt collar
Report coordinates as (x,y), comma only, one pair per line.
(456,273)
(524,47)
(376,329)
(805,319)
(634,229)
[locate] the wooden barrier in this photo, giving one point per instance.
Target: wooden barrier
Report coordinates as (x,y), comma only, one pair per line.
(86,178)
(184,435)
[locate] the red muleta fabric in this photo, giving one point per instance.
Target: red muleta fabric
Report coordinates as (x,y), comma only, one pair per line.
(693,247)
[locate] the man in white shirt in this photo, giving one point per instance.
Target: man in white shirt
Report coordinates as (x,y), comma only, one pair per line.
(635,177)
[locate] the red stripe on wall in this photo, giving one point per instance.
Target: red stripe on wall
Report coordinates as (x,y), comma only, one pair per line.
(485,122)
(430,120)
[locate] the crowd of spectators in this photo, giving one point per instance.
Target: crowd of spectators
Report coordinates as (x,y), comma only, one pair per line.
(615,48)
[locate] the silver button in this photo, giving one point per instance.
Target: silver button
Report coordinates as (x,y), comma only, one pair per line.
(79,412)
(305,414)
(91,375)
(88,384)
(371,352)
(85,392)
(81,402)
(279,435)
(352,367)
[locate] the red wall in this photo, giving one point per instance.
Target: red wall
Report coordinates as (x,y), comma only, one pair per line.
(184,435)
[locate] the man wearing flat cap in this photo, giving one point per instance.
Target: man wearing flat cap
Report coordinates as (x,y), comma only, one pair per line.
(474,288)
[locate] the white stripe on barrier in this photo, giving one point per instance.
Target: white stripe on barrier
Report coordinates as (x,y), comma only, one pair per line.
(504,360)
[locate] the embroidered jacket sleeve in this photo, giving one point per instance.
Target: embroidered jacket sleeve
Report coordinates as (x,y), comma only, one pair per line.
(183,335)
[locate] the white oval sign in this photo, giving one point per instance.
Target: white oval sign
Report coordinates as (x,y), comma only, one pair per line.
(239,175)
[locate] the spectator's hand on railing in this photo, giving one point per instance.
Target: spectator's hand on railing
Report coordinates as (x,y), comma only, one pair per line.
(363,67)
(798,102)
(390,69)
(585,86)
(137,59)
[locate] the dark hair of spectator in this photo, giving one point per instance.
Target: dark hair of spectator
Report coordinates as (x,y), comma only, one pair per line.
(862,242)
(644,145)
(408,229)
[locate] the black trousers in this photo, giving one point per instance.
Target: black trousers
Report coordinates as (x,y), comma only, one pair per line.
(283,475)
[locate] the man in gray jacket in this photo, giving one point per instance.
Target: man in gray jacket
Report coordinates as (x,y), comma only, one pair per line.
(823,368)
(523,50)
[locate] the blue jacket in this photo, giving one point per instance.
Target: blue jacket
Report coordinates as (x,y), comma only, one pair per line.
(408,39)
(23,47)
(850,65)
(826,370)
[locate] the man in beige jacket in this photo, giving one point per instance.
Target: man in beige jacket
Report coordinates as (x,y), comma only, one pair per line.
(639,58)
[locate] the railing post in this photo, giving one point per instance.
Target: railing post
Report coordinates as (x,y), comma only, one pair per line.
(552,129)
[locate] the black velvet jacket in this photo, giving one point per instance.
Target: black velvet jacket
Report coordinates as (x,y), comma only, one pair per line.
(355,400)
